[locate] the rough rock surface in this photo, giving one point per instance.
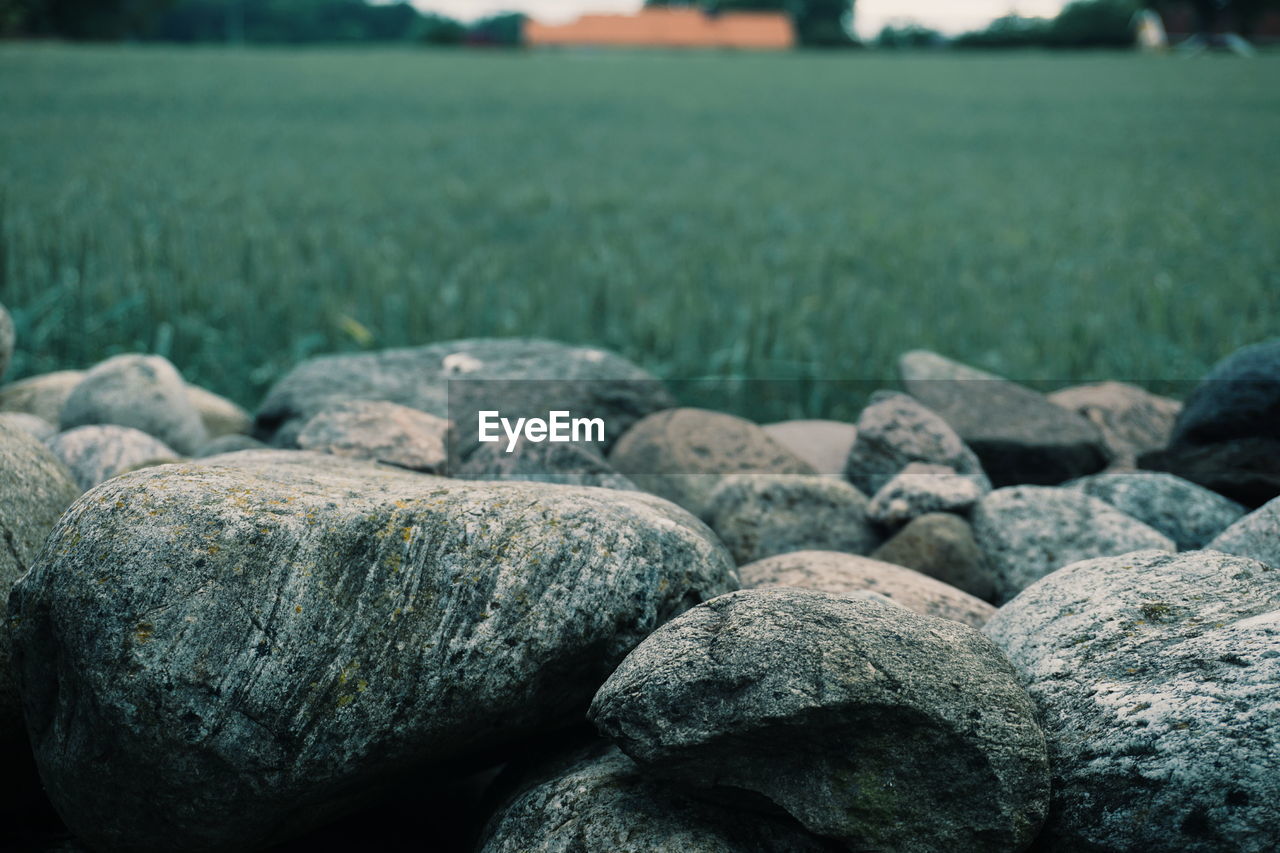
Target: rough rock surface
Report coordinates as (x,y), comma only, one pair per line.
(921,488)
(849,574)
(941,546)
(1239,398)
(33,425)
(145,392)
(869,724)
(6,340)
(682,454)
(215,654)
(94,454)
(574,464)
(456,379)
(895,430)
(35,488)
(1027,532)
(381,432)
(1257,535)
(1245,469)
(230,443)
(219,415)
(1158,681)
(599,801)
(42,396)
(1132,420)
(759,515)
(1018,434)
(824,445)
(1186,513)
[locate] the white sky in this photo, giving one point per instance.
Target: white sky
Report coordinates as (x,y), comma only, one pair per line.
(949,16)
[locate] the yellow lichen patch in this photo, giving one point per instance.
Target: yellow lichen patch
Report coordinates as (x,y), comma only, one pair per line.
(297,608)
(143,632)
(362,686)
(345,674)
(213,549)
(406,533)
(345,699)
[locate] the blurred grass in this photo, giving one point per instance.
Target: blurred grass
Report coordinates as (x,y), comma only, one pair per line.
(1055,217)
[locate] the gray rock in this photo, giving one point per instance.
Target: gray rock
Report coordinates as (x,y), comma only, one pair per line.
(824,445)
(1257,535)
(1018,434)
(230,443)
(219,415)
(1238,399)
(598,801)
(1132,420)
(574,464)
(1158,681)
(145,392)
(6,340)
(1243,469)
(893,431)
(1028,531)
(95,454)
(456,379)
(869,724)
(682,454)
(33,425)
(381,432)
(257,639)
(919,489)
(941,546)
(849,575)
(42,396)
(1186,513)
(759,515)
(35,488)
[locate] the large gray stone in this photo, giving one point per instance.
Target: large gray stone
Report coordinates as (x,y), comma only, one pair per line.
(1238,399)
(42,395)
(598,801)
(1018,434)
(33,425)
(572,463)
(214,655)
(1257,535)
(895,430)
(1028,531)
(519,377)
(1158,681)
(94,454)
(1243,469)
(759,515)
(6,340)
(381,432)
(824,445)
(941,546)
(1186,513)
(219,415)
(683,454)
(851,575)
(1132,420)
(920,488)
(145,392)
(881,728)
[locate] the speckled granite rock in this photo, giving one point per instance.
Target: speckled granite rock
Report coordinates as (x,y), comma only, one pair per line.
(919,489)
(94,454)
(145,392)
(1238,399)
(42,396)
(941,546)
(1257,535)
(867,723)
(257,639)
(573,464)
(824,445)
(1186,513)
(1158,681)
(381,432)
(1242,469)
(219,415)
(1132,420)
(33,425)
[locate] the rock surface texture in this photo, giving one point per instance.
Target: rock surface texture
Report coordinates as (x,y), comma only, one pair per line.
(219,415)
(941,546)
(868,724)
(919,489)
(215,655)
(145,392)
(94,454)
(574,464)
(824,445)
(6,340)
(1132,420)
(42,396)
(380,432)
(1257,535)
(1238,398)
(1158,681)
(1186,513)
(33,425)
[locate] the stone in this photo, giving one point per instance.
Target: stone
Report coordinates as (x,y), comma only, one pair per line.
(1029,531)
(33,425)
(1157,677)
(598,801)
(876,727)
(1018,434)
(35,488)
(895,430)
(1257,535)
(229,443)
(1186,513)
(219,415)
(381,432)
(849,575)
(6,340)
(682,454)
(574,464)
(259,639)
(919,489)
(95,454)
(759,515)
(824,445)
(1238,399)
(145,392)
(941,546)
(42,395)
(1246,470)
(1132,420)
(519,377)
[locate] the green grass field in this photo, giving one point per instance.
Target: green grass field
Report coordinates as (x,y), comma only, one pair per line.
(789,216)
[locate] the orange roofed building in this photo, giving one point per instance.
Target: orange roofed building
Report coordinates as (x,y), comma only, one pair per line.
(668,27)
